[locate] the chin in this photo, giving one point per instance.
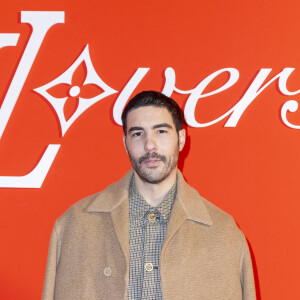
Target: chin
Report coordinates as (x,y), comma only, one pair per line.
(153,177)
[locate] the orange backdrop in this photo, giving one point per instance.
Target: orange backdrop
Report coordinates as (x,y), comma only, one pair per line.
(250,170)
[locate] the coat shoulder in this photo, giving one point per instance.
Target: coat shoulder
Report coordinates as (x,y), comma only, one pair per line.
(223,221)
(74,216)
(77,208)
(102,201)
(217,213)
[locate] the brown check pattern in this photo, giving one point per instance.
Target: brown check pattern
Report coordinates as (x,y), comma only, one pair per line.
(146,235)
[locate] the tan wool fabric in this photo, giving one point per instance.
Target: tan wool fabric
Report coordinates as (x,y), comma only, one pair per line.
(204,255)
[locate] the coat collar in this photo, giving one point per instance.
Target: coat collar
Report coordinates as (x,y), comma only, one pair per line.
(114,200)
(110,198)
(188,200)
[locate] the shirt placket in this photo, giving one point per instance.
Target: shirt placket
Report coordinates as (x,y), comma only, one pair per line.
(137,259)
(153,242)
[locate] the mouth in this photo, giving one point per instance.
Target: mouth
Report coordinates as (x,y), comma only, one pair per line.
(152,162)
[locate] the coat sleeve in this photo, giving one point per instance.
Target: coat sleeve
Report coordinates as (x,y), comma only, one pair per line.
(247,279)
(49,283)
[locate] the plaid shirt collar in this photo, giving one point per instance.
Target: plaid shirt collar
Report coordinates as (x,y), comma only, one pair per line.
(138,207)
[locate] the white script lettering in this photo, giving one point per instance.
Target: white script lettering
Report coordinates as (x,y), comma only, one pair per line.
(41,22)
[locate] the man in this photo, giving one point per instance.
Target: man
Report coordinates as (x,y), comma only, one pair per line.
(149,235)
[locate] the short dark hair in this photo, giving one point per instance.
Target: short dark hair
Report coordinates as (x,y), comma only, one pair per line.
(153,98)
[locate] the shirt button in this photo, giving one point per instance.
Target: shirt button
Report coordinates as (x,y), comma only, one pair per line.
(151,217)
(107,271)
(148,267)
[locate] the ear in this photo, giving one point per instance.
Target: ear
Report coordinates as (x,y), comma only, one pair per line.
(181,136)
(124,142)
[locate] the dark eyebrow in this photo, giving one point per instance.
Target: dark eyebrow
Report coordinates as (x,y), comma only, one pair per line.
(162,125)
(134,128)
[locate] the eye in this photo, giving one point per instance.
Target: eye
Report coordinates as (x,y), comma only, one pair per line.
(161,131)
(137,133)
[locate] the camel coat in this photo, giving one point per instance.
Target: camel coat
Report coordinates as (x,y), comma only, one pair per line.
(204,256)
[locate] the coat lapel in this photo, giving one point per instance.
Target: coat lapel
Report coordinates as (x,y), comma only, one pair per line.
(188,205)
(114,200)
(120,219)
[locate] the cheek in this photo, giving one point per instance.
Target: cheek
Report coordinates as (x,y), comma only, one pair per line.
(171,147)
(134,150)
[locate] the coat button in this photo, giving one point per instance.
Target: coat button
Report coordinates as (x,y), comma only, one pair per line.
(151,217)
(148,267)
(107,271)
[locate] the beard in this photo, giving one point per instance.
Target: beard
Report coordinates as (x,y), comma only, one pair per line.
(154,175)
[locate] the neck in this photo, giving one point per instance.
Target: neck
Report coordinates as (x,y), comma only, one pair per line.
(154,193)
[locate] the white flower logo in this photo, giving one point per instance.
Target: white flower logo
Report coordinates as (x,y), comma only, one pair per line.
(80,87)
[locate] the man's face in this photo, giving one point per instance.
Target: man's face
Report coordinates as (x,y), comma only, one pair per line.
(152,143)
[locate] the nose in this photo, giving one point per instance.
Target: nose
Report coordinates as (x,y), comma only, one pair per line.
(150,144)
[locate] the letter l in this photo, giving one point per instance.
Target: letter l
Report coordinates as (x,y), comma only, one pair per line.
(41,22)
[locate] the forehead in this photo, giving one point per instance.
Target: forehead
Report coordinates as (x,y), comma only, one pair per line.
(148,116)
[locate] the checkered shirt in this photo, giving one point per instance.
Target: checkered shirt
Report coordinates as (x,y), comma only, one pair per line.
(146,235)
